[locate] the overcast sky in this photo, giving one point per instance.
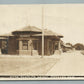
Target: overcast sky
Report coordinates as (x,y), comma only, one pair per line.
(66,19)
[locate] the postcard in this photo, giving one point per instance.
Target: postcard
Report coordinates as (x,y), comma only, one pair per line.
(42,42)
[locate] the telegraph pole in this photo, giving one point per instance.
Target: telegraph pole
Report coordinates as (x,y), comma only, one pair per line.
(42,31)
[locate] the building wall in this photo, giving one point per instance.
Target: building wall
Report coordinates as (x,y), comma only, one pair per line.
(49,46)
(45,46)
(12,45)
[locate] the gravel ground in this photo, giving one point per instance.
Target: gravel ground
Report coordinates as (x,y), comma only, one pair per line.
(23,65)
(64,64)
(71,64)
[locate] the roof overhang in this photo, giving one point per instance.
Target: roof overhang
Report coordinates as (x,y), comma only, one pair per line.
(3,37)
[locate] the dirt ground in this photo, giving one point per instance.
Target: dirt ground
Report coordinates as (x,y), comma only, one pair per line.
(71,64)
(23,65)
(64,64)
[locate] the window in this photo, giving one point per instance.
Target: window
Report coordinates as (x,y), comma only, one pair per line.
(4,44)
(4,47)
(25,45)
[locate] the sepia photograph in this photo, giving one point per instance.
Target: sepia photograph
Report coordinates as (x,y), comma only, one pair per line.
(42,42)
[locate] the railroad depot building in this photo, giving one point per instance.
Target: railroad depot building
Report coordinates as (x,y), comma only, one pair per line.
(28,41)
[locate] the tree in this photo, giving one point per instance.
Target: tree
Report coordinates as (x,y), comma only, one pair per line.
(79,46)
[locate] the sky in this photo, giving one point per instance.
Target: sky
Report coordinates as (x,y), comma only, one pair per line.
(65,19)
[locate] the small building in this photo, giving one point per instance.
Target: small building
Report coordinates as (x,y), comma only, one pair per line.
(67,47)
(28,41)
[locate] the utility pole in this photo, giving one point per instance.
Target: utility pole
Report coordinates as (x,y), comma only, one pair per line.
(28,24)
(42,31)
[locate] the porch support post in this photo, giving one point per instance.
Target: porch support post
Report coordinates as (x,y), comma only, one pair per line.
(59,47)
(20,46)
(30,46)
